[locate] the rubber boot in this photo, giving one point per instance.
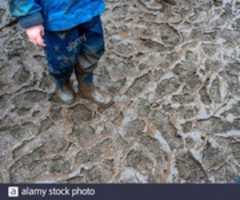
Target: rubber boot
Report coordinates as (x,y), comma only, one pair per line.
(89,91)
(65,93)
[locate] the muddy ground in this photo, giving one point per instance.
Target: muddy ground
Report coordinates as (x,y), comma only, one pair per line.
(174,74)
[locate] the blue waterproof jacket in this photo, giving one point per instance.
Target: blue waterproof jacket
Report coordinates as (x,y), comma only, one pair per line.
(55,15)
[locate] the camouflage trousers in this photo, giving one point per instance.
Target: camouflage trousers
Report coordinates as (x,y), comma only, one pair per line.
(82,46)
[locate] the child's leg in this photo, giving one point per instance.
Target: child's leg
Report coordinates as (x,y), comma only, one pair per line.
(92,48)
(91,51)
(61,52)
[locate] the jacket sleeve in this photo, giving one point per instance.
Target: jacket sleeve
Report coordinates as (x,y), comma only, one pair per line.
(28,12)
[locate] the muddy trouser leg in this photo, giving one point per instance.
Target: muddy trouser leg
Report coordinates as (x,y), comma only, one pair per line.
(61,52)
(92,49)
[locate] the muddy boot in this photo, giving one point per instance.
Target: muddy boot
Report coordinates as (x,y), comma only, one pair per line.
(171,2)
(65,93)
(94,94)
(89,91)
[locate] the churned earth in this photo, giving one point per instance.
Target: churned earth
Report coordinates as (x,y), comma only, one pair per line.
(174,74)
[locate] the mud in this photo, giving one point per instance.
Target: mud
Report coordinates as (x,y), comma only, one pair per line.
(174,74)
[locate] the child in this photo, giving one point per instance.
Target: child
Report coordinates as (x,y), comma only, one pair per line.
(70,31)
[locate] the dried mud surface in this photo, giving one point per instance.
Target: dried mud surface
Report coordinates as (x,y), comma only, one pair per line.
(174,74)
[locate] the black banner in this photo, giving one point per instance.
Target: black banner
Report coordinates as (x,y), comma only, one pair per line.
(120,191)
